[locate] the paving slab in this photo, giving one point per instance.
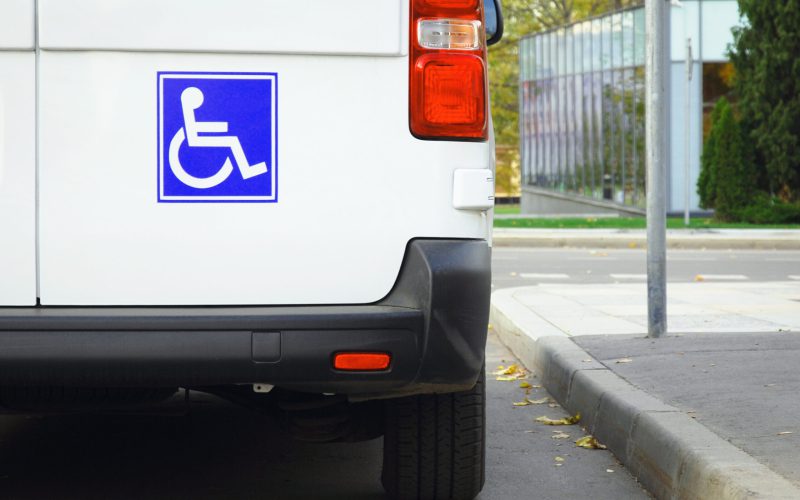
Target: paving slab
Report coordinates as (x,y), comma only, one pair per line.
(611,309)
(744,387)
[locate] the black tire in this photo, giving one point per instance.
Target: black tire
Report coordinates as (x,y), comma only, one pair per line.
(435,445)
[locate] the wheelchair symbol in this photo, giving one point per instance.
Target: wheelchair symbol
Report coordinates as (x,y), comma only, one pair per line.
(191,99)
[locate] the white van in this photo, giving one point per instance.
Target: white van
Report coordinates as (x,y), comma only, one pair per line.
(286,203)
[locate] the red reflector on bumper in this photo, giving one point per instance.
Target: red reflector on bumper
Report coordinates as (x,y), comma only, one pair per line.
(361,361)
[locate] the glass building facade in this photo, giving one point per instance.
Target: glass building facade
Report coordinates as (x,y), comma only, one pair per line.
(582,108)
(582,102)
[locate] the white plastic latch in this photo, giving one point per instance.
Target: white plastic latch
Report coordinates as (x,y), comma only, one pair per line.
(473,189)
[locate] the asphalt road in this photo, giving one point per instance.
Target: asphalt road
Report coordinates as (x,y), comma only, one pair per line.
(529,266)
(219,451)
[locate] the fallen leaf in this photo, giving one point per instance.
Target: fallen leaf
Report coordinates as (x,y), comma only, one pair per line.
(590,443)
(559,459)
(490,326)
(509,373)
(785,433)
(560,435)
(624,360)
(525,385)
(527,402)
(505,370)
(561,421)
(632,244)
(699,277)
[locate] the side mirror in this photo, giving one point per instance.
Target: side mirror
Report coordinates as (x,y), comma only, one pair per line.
(494,21)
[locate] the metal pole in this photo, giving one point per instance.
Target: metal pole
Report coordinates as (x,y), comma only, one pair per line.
(656,12)
(687,145)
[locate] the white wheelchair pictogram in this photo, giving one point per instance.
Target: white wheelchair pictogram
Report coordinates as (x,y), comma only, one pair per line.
(191,99)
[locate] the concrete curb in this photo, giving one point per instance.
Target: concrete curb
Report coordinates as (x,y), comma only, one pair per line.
(672,455)
(684,239)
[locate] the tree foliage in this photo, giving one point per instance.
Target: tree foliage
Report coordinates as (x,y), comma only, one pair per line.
(765,55)
(707,181)
(552,13)
(732,167)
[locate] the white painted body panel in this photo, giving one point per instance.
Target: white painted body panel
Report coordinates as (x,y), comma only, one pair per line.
(17,24)
(355,186)
(17,177)
(370,27)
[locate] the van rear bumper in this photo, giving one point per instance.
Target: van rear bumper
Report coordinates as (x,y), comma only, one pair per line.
(433,323)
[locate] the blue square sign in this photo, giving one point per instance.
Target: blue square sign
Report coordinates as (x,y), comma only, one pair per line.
(217,137)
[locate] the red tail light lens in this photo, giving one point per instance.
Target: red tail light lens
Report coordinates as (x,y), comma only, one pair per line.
(463,6)
(448,92)
(449,96)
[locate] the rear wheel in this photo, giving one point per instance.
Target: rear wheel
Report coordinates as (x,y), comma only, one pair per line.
(434,445)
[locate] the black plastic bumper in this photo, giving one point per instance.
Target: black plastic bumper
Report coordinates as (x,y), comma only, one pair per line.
(433,323)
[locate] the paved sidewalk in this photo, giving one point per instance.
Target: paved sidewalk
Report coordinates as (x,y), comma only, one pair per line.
(773,239)
(707,412)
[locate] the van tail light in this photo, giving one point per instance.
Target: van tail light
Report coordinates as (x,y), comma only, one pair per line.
(447,73)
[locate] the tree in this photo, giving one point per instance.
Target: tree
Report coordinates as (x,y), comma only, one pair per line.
(504,70)
(767,84)
(735,174)
(707,180)
(553,13)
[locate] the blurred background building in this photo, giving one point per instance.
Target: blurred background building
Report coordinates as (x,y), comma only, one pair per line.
(582,112)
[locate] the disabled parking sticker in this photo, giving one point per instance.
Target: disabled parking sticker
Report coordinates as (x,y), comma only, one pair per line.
(217,137)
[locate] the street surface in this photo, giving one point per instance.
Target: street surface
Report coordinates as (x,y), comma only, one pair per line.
(219,451)
(530,266)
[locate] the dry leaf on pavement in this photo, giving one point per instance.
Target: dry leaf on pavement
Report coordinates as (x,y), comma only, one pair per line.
(527,402)
(560,435)
(561,421)
(590,443)
(505,370)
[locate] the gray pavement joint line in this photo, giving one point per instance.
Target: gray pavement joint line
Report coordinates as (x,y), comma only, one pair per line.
(673,455)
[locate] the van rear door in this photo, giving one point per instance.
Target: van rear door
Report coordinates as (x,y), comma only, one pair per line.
(17,154)
(198,152)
